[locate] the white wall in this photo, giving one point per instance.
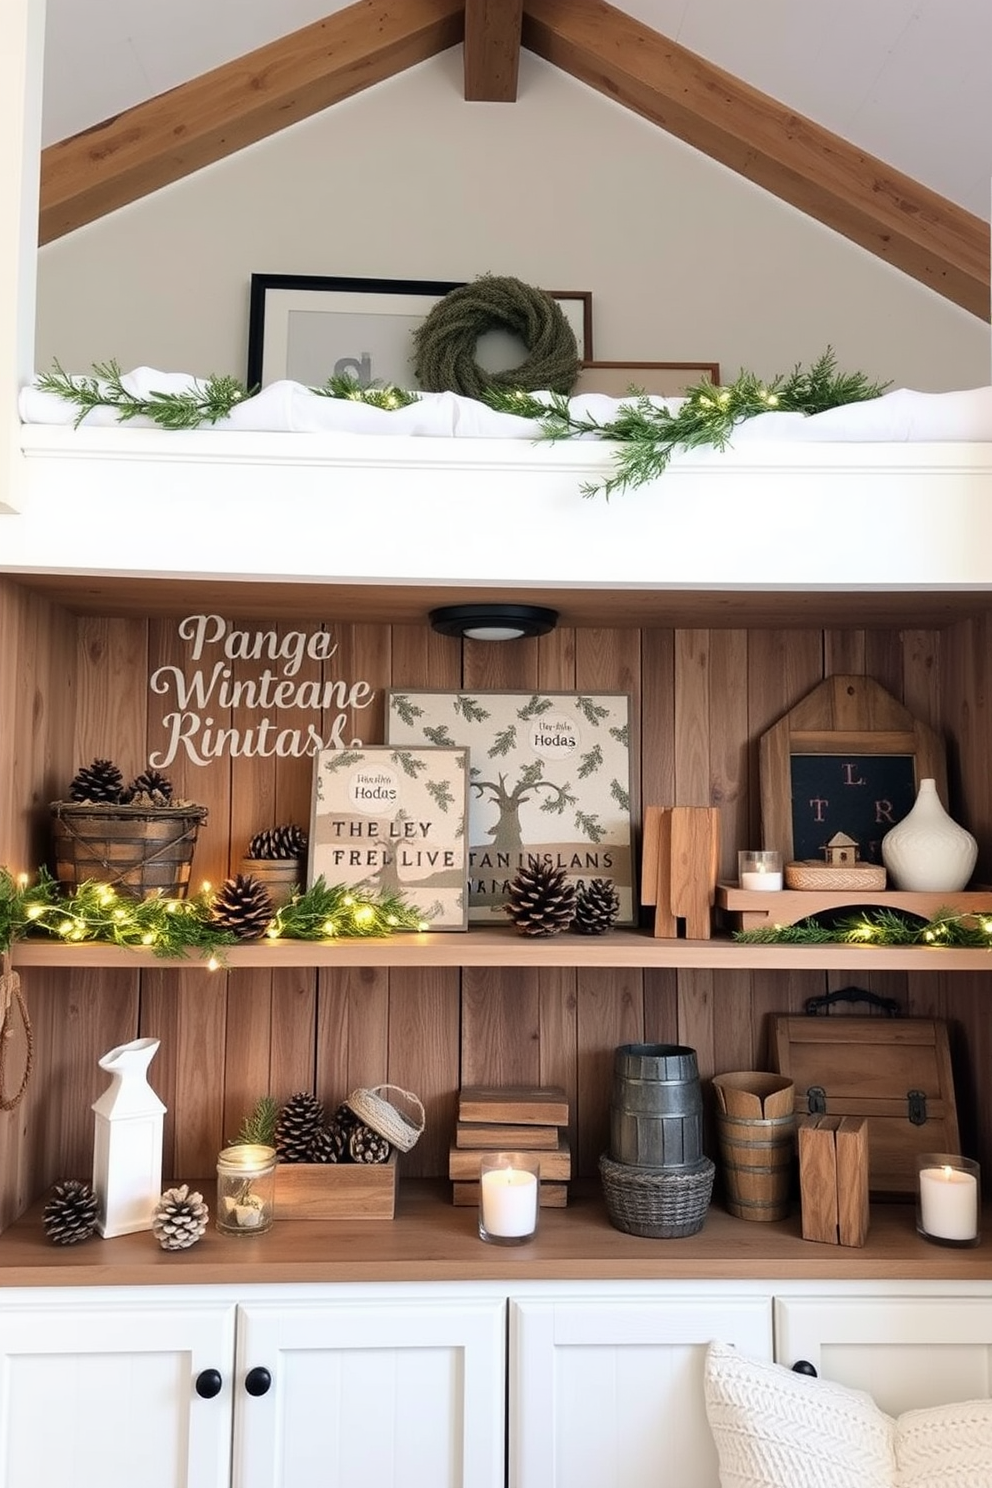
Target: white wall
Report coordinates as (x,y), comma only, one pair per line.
(685,260)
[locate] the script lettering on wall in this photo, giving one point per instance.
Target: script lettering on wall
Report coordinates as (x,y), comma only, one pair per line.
(295,716)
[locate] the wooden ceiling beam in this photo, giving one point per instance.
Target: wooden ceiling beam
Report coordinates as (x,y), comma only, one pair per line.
(492,50)
(222,111)
(914,229)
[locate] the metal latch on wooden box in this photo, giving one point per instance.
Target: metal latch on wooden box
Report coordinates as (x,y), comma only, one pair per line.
(916,1104)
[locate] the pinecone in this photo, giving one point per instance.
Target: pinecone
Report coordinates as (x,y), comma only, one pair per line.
(597,907)
(149,788)
(278,842)
(542,901)
(366,1145)
(328,1145)
(180,1218)
(70,1213)
(242,905)
(99,781)
(299,1121)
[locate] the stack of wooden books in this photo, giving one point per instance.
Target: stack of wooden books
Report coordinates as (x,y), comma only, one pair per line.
(514,1118)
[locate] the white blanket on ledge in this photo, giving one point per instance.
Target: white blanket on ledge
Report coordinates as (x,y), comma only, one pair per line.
(900,416)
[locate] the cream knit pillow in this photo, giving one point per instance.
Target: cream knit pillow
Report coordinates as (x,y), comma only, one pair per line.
(776,1429)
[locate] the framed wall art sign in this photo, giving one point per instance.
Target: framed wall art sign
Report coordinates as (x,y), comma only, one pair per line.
(660,379)
(549,777)
(847,758)
(308,327)
(393,821)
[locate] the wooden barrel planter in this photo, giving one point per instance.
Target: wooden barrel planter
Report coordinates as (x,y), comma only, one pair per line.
(137,850)
(757,1158)
(656,1113)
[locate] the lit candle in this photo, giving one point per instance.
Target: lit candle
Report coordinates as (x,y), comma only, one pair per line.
(949,1203)
(760,870)
(508,1194)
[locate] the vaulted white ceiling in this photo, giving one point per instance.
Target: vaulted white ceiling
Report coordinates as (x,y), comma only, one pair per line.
(908,81)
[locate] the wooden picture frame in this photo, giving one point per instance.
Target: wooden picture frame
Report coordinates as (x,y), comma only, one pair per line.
(657,379)
(863,747)
(309,327)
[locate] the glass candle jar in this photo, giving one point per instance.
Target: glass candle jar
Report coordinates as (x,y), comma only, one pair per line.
(759,870)
(948,1198)
(509,1188)
(246,1189)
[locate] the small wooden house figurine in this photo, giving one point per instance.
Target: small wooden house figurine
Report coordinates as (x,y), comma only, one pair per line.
(841,851)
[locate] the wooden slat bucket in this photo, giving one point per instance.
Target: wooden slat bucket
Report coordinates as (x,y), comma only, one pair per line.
(757,1157)
(136,850)
(656,1113)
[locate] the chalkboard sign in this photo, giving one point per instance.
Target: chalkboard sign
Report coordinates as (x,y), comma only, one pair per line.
(862,795)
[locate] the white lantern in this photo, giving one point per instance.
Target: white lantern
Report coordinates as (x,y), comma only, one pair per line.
(127,1148)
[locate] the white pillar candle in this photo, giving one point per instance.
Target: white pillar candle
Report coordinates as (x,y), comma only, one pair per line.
(509,1202)
(759,868)
(949,1203)
(761,878)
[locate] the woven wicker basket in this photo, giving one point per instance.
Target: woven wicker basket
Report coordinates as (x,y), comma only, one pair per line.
(136,849)
(658,1203)
(400,1119)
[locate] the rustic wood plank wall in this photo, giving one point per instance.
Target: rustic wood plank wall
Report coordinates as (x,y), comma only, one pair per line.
(700,701)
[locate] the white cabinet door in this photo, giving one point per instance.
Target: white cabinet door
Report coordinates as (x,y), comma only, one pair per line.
(609,1393)
(399,1394)
(102,1393)
(907,1352)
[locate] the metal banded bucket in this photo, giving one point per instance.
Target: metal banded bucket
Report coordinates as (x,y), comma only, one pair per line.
(757,1155)
(656,1114)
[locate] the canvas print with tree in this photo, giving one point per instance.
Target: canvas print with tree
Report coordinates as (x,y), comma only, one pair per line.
(392,820)
(549,777)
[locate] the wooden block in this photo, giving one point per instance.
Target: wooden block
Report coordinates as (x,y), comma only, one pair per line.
(508,1137)
(665,925)
(336,1190)
(553,1165)
(852,1179)
(694,859)
(818,1178)
(526,1105)
(650,853)
(465,1194)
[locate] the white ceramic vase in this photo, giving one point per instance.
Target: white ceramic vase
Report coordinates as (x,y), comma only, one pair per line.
(127,1146)
(927,851)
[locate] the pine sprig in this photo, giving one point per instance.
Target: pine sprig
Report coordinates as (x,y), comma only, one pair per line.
(882,927)
(326,912)
(258,1128)
(649,434)
(375,395)
(204,402)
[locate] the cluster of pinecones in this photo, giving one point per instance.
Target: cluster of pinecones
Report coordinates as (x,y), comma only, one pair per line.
(304,1136)
(542,901)
(278,842)
(102,783)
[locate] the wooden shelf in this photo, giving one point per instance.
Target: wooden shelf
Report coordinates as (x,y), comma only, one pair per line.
(431,1240)
(498,947)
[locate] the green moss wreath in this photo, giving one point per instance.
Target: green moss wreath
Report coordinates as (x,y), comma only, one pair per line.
(445,343)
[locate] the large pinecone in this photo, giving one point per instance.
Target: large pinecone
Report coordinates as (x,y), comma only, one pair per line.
(149,788)
(299,1122)
(542,900)
(367,1146)
(278,842)
(180,1218)
(242,905)
(99,781)
(328,1145)
(597,907)
(70,1213)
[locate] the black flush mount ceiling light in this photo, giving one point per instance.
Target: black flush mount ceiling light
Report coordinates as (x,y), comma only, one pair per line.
(495,621)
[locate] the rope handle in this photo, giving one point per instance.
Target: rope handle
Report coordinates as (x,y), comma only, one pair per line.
(415,1102)
(10,993)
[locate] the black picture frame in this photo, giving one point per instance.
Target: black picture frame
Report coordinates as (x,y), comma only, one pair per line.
(281,346)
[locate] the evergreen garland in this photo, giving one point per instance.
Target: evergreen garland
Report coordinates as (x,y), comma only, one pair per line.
(175,927)
(881,927)
(650,434)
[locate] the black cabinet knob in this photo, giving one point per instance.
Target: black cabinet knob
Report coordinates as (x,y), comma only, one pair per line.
(257,1380)
(209,1383)
(803,1366)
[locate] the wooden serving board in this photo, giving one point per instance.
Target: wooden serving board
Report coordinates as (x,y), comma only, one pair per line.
(871,1066)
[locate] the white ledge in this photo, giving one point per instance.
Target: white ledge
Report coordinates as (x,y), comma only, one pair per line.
(364,509)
